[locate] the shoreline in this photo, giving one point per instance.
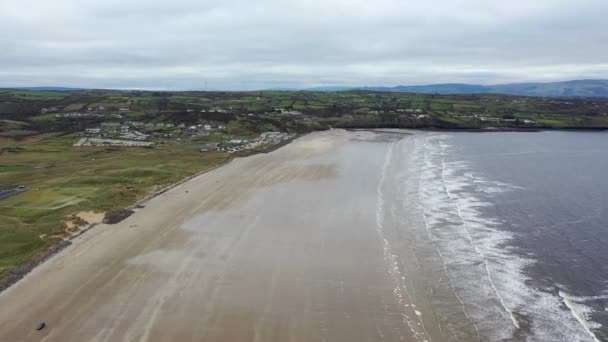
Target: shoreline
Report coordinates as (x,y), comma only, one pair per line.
(228,256)
(480,130)
(15,275)
(514,129)
(382,130)
(173,263)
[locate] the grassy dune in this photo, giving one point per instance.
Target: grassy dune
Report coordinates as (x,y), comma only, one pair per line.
(62,180)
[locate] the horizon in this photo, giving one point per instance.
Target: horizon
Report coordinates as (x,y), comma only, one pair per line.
(313,88)
(238,45)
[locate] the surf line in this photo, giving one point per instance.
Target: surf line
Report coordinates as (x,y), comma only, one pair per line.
(427,165)
(580,317)
(470,238)
(392,260)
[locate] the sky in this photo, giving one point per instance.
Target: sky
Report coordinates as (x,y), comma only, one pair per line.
(261,44)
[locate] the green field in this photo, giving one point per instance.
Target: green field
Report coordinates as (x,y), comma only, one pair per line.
(62,180)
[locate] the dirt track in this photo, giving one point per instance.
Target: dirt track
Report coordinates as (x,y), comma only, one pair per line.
(274,247)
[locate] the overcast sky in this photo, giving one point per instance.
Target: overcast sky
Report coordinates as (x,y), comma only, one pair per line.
(253,44)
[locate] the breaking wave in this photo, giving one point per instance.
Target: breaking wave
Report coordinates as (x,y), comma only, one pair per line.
(478,260)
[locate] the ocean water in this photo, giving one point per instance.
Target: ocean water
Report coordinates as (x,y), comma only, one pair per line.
(499,236)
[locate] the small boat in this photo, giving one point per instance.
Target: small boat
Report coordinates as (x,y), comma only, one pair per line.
(41,326)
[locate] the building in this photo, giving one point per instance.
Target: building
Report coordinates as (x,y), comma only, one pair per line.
(93,130)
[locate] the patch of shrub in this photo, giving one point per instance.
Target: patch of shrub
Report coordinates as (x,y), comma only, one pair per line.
(116,216)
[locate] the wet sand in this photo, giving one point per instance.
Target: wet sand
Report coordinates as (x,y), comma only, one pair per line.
(282,247)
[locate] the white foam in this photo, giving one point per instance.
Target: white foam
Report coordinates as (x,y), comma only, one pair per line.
(581,312)
(486,277)
(473,243)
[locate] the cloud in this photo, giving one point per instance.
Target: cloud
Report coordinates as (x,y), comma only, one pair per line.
(238,44)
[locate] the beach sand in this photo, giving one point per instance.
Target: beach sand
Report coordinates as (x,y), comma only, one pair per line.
(279,247)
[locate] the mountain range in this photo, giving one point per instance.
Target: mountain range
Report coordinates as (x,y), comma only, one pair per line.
(576,88)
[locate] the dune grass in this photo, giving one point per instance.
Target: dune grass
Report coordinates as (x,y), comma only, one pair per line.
(62,180)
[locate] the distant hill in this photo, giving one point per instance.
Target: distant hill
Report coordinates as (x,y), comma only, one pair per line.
(322,88)
(45,88)
(577,88)
(330,88)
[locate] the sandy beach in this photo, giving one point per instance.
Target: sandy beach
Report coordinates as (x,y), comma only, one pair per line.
(274,247)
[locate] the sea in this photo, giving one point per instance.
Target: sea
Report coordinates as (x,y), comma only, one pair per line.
(498,236)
